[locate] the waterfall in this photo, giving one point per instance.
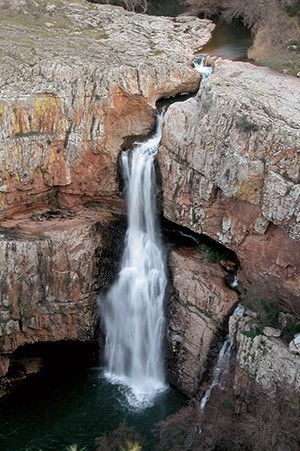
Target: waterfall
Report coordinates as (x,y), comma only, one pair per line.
(223,363)
(200,66)
(133,307)
(220,370)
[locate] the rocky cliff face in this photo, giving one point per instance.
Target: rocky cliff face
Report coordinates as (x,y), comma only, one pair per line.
(199,305)
(267,360)
(52,268)
(77,82)
(230,162)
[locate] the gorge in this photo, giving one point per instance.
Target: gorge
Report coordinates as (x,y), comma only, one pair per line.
(79,87)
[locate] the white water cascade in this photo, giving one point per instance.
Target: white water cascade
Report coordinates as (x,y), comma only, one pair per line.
(200,66)
(220,370)
(133,308)
(223,363)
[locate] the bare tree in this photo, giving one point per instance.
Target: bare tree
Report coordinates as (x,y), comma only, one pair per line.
(136,5)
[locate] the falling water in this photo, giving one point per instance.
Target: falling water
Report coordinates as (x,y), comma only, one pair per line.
(223,363)
(200,66)
(133,308)
(220,370)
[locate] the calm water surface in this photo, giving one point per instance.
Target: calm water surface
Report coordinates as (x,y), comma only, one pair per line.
(230,41)
(52,412)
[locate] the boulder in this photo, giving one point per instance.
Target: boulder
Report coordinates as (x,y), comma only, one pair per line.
(272,332)
(294,345)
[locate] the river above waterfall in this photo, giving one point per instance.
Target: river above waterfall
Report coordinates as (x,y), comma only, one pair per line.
(53,411)
(229,40)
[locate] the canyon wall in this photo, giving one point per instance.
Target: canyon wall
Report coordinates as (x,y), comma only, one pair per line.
(229,162)
(198,308)
(78,83)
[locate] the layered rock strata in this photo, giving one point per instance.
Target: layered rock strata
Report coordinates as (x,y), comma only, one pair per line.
(52,267)
(78,81)
(230,161)
(199,305)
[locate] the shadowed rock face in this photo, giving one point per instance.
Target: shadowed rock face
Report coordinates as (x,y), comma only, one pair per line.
(52,268)
(230,162)
(200,302)
(77,80)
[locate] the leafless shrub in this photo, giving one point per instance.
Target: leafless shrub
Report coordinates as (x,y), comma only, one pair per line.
(263,424)
(140,6)
(179,431)
(123,438)
(136,5)
(275,24)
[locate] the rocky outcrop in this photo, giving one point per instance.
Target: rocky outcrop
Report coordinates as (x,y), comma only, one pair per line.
(267,360)
(78,81)
(229,162)
(199,305)
(52,267)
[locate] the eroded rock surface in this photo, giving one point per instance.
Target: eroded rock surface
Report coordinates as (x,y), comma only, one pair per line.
(52,268)
(267,360)
(230,162)
(199,305)
(77,81)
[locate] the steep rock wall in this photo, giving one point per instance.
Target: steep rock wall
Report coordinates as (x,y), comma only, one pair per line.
(266,360)
(229,161)
(77,81)
(52,268)
(199,304)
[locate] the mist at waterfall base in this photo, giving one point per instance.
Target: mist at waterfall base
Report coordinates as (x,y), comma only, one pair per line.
(132,310)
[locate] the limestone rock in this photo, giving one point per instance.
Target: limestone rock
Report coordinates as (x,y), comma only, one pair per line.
(294,345)
(230,162)
(266,360)
(51,273)
(272,332)
(197,309)
(78,81)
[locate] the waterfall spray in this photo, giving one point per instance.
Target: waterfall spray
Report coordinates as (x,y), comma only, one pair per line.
(133,308)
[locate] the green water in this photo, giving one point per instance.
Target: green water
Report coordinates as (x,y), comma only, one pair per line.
(229,40)
(52,412)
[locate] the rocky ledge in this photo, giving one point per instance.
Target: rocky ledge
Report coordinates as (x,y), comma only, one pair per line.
(79,81)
